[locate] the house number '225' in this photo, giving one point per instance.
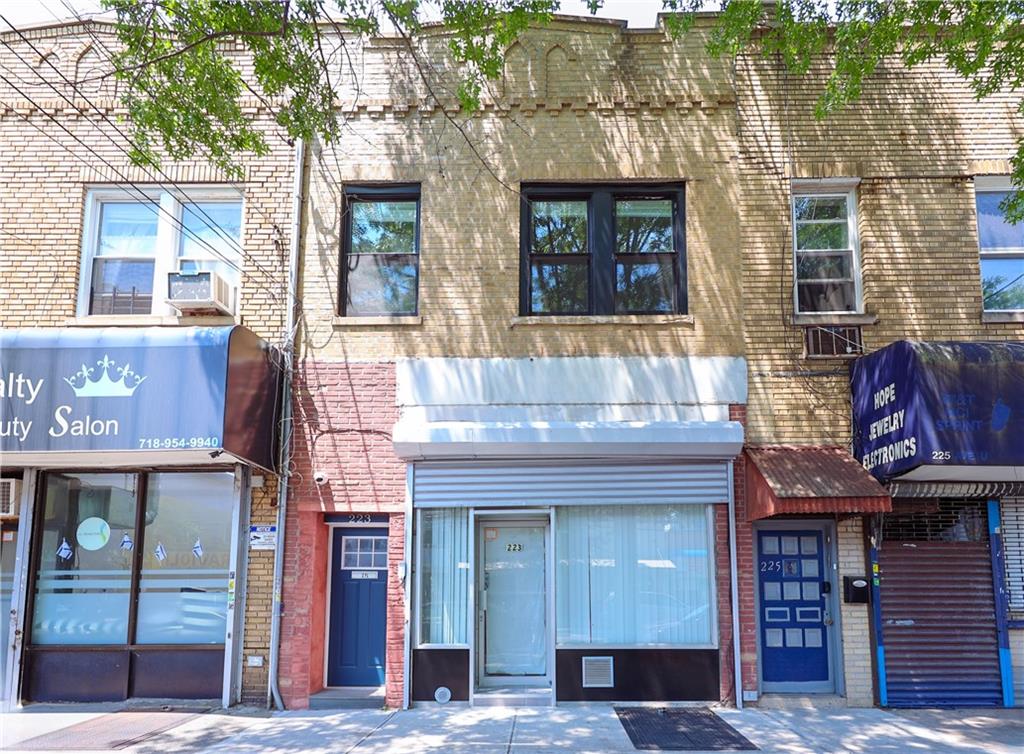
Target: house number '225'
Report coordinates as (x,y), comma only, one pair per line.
(513,547)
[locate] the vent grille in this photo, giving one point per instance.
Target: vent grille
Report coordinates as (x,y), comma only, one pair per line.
(834,340)
(10,492)
(598,673)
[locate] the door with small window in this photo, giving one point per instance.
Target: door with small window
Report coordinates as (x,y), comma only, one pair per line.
(358,607)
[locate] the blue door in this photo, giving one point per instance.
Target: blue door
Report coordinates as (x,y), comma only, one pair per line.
(358,610)
(794,590)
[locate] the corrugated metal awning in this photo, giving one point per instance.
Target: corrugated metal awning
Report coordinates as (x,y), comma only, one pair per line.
(809,479)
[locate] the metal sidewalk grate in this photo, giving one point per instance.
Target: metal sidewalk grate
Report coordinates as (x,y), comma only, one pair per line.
(117,730)
(680,729)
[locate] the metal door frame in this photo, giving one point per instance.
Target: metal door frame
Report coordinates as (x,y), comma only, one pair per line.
(332,531)
(478,520)
(834,633)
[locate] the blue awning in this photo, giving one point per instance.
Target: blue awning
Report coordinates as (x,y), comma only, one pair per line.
(941,411)
(136,396)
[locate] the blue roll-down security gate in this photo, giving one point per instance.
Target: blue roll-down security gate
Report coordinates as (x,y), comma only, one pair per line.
(942,423)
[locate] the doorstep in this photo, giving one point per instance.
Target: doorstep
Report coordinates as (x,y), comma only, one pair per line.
(513,696)
(799,701)
(348,697)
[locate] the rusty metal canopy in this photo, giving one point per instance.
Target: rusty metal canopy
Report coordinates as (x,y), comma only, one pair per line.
(809,479)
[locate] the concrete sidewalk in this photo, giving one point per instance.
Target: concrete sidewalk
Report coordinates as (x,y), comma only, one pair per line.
(583,729)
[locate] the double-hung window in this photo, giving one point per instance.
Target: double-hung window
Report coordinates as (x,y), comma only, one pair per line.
(602,250)
(826,255)
(1001,248)
(133,240)
(380,251)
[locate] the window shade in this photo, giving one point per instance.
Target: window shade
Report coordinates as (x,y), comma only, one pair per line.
(444,576)
(634,575)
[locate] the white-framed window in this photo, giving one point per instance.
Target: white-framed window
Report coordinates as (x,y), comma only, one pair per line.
(826,248)
(635,576)
(130,243)
(1000,247)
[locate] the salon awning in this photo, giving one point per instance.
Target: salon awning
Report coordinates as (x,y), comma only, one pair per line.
(133,396)
(809,480)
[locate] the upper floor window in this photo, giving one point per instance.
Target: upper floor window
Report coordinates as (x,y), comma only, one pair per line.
(826,255)
(380,250)
(131,243)
(1001,247)
(602,250)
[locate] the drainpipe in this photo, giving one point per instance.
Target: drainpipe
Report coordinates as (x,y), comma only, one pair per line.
(737,668)
(284,470)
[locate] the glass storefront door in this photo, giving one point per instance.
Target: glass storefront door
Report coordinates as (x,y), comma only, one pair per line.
(134,566)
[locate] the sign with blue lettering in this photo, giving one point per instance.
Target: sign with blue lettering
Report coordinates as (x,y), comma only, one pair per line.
(952,404)
(132,389)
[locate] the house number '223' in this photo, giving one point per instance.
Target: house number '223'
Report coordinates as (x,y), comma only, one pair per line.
(513,547)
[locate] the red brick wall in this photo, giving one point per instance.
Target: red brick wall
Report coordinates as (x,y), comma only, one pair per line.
(745,580)
(344,413)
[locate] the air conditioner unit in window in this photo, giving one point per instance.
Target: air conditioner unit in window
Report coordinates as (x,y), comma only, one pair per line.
(10,497)
(201,292)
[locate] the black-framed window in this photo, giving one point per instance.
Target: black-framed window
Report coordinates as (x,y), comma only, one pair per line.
(602,249)
(380,251)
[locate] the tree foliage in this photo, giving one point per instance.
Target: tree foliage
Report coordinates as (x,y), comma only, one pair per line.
(184,92)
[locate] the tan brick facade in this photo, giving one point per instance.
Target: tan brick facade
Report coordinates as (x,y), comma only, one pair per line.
(55,150)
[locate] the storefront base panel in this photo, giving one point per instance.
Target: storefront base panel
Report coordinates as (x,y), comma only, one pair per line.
(432,668)
(71,675)
(177,673)
(642,675)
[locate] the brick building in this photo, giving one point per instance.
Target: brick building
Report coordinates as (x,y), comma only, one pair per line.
(125,524)
(862,231)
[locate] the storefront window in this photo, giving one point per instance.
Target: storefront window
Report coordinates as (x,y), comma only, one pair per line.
(83,583)
(634,575)
(94,536)
(444,577)
(183,586)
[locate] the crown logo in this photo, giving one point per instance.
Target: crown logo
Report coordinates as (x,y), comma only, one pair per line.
(103,386)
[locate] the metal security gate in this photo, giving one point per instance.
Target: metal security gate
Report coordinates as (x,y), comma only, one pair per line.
(938,612)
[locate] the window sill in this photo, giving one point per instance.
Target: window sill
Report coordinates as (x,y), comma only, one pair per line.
(398,321)
(640,320)
(809,320)
(994,317)
(150,320)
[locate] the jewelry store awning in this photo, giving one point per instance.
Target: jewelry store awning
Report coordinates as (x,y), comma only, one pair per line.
(127,396)
(809,480)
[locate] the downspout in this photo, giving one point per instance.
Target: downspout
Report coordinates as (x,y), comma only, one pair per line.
(284,463)
(735,595)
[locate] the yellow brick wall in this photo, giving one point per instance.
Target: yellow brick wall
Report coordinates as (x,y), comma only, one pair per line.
(44,176)
(580,102)
(915,140)
(856,619)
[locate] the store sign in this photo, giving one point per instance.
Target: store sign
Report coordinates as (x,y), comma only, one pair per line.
(950,404)
(129,389)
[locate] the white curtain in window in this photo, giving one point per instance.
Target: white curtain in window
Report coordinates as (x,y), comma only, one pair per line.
(444,576)
(634,575)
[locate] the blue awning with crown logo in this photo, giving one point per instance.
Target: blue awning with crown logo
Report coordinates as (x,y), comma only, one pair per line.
(117,396)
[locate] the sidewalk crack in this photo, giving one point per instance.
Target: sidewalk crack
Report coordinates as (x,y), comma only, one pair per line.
(383,722)
(512,733)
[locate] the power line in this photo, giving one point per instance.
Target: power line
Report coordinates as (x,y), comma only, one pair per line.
(209,220)
(146,199)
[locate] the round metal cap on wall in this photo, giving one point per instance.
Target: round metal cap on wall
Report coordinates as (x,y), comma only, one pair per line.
(442,695)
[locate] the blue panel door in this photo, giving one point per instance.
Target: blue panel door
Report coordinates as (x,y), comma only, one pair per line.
(358,609)
(794,610)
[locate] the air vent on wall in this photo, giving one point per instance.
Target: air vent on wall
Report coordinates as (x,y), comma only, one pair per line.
(10,497)
(598,673)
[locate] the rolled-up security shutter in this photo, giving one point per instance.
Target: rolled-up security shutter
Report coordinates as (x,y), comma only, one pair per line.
(509,485)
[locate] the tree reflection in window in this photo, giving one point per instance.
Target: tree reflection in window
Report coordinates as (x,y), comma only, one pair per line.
(382,265)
